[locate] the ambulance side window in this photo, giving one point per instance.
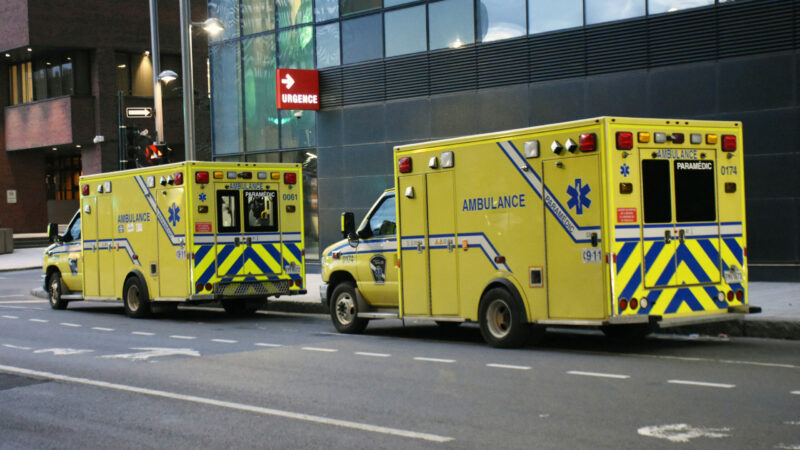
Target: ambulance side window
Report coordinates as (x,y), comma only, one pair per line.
(383,222)
(656,195)
(74,231)
(695,193)
(261,212)
(228,211)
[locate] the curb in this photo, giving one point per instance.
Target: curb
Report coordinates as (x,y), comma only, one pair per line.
(17,269)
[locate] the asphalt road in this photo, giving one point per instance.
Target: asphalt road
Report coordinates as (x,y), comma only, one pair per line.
(91,377)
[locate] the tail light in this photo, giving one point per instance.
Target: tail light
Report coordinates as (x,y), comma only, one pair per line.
(404,165)
(730,296)
(624,140)
(290,178)
(634,303)
(298,283)
(588,142)
(209,286)
(85,189)
(677,138)
(178,176)
(728,142)
(199,287)
(623,304)
(201,177)
(740,295)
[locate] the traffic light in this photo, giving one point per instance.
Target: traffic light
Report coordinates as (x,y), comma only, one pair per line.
(156,154)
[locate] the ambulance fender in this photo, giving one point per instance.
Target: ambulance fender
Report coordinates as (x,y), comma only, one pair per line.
(511,287)
(336,278)
(137,274)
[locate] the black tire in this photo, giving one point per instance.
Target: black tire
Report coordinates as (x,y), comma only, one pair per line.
(344,309)
(242,308)
(501,318)
(54,290)
(628,333)
(135,298)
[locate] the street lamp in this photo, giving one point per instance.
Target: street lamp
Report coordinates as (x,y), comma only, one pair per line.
(167,76)
(212,26)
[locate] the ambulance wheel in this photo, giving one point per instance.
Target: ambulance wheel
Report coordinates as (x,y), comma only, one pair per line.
(241,307)
(136,300)
(344,310)
(54,291)
(501,319)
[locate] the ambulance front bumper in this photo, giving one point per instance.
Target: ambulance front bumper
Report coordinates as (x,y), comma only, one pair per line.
(734,313)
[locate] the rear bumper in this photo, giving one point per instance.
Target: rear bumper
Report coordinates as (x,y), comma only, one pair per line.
(219,297)
(734,313)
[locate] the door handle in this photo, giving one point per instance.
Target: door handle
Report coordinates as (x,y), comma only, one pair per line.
(420,247)
(594,239)
(681,235)
(249,241)
(236,241)
(450,246)
(667,237)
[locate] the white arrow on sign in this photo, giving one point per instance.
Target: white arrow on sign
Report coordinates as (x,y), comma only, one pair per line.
(154,352)
(288,81)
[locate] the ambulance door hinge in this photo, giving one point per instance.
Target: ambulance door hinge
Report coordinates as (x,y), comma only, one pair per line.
(236,241)
(667,237)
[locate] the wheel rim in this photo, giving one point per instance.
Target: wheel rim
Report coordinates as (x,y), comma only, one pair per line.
(133,298)
(54,288)
(498,319)
(345,309)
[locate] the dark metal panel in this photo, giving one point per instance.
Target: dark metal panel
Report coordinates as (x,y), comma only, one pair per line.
(748,28)
(616,47)
(363,83)
(682,38)
(557,55)
(503,63)
(407,77)
(330,87)
(453,70)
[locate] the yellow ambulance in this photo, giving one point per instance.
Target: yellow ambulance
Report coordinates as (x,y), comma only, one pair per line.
(191,232)
(621,223)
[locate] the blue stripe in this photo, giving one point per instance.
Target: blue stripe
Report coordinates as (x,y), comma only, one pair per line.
(201,253)
(207,274)
(736,249)
(683,295)
(295,251)
(624,253)
(710,250)
(274,253)
(520,170)
(712,292)
(633,284)
(697,270)
(652,255)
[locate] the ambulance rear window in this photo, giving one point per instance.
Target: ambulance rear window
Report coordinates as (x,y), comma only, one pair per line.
(228,211)
(262,211)
(695,196)
(656,191)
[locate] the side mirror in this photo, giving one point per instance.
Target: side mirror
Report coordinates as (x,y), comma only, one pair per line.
(52,232)
(349,226)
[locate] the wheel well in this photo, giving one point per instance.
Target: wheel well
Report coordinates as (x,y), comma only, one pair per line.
(335,279)
(50,270)
(135,274)
(508,286)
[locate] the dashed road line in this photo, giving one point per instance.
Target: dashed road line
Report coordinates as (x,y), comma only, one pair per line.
(102,329)
(16,347)
(234,406)
(10,317)
(178,336)
(375,355)
(224,341)
(266,344)
(702,383)
(796,392)
(320,349)
(67,324)
(599,375)
(439,360)
(508,366)
(143,333)
(39,320)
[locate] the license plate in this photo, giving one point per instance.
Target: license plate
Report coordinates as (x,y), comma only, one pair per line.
(733,276)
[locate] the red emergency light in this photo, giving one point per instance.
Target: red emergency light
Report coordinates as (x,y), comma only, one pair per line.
(290,178)
(201,177)
(404,165)
(624,140)
(728,143)
(588,142)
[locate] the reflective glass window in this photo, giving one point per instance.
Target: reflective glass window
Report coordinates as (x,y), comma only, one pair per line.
(500,19)
(362,39)
(294,12)
(355,6)
(598,11)
(227,11)
(326,10)
(328,53)
(228,211)
(308,159)
(549,15)
(451,23)
(656,195)
(405,31)
(296,51)
(226,98)
(388,3)
(662,6)
(260,112)
(261,212)
(695,193)
(257,16)
(383,222)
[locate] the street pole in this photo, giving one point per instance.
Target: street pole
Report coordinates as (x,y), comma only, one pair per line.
(188,79)
(155,58)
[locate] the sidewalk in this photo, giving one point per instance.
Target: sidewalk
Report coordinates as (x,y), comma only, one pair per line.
(779,319)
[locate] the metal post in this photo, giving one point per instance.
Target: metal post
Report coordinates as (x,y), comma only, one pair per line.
(155,58)
(122,133)
(188,79)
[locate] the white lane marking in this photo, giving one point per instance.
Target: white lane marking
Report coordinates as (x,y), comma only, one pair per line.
(796,392)
(102,329)
(38,320)
(788,447)
(154,352)
(508,366)
(17,302)
(702,383)
(439,360)
(178,336)
(63,351)
(224,341)
(142,333)
(10,317)
(16,347)
(599,375)
(231,405)
(721,361)
(67,324)
(681,432)
(11,295)
(320,349)
(376,355)
(265,344)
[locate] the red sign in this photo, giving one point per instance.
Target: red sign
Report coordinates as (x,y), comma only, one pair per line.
(203,227)
(626,215)
(297,89)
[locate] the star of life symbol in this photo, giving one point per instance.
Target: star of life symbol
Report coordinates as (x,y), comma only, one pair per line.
(174,214)
(625,170)
(578,196)
(203,197)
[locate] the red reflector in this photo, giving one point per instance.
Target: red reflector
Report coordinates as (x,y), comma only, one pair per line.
(623,304)
(745,252)
(624,140)
(739,295)
(634,303)
(290,178)
(404,165)
(677,138)
(85,189)
(500,259)
(588,142)
(728,142)
(730,296)
(201,177)
(178,177)
(199,287)
(209,286)
(135,257)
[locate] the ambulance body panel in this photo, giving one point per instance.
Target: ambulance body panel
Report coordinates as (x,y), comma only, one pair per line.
(600,222)
(189,232)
